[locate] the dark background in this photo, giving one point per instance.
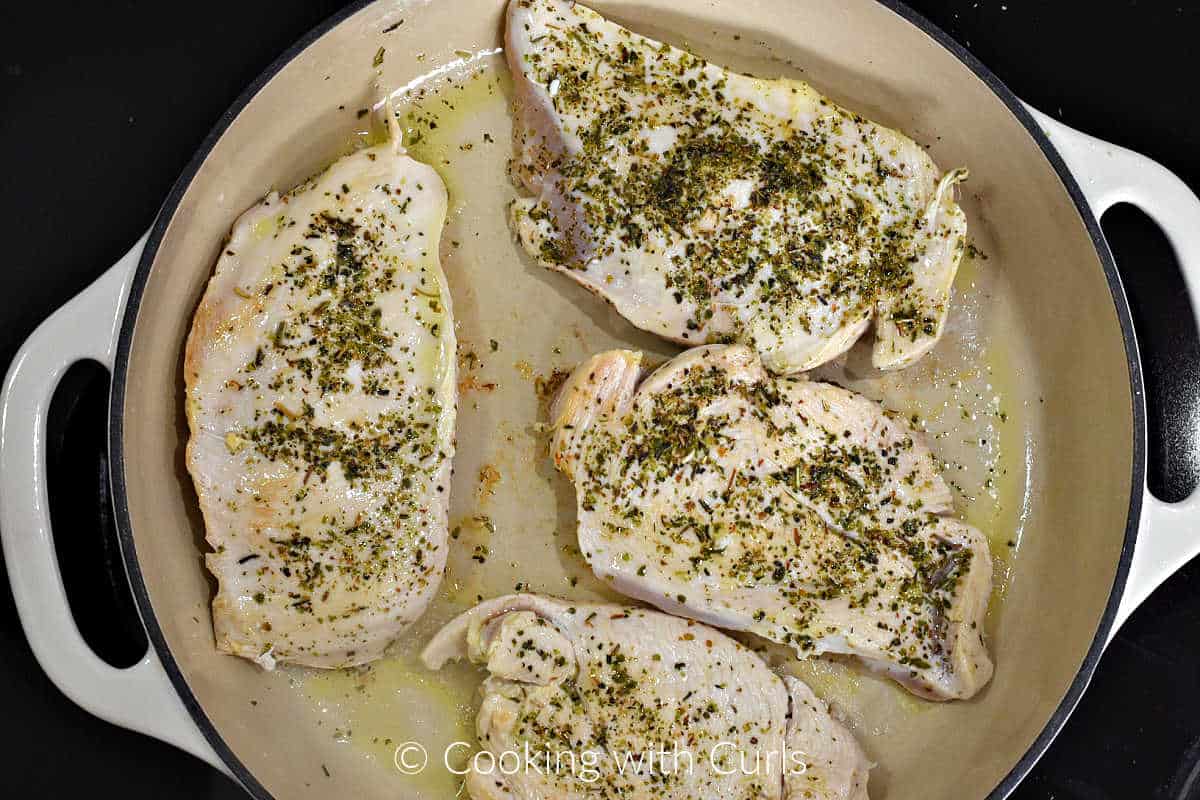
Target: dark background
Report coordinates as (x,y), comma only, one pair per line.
(102,105)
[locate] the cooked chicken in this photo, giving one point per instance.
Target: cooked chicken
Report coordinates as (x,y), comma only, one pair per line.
(793,509)
(321,402)
(604,701)
(711,206)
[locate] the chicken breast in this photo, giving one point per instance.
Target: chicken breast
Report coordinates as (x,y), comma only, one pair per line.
(605,701)
(796,510)
(711,206)
(320,374)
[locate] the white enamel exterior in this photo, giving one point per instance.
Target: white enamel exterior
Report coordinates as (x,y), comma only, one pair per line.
(1108,175)
(141,697)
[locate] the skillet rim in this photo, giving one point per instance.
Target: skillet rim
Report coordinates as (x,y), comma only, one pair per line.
(166,213)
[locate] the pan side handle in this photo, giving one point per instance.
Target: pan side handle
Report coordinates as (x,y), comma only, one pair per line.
(140,697)
(1169,534)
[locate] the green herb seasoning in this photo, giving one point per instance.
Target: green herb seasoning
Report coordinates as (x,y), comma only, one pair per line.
(762,211)
(724,483)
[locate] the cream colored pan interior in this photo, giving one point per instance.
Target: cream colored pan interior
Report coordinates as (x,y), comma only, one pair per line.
(1027,398)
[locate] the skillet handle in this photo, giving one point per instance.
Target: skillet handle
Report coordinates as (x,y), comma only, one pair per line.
(141,697)
(1169,534)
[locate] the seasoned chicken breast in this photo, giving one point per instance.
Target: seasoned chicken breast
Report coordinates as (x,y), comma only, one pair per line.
(796,510)
(711,206)
(320,374)
(604,701)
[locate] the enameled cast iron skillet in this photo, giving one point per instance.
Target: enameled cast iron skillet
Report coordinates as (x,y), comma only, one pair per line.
(1036,193)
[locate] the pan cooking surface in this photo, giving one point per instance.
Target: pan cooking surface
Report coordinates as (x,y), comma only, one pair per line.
(521,328)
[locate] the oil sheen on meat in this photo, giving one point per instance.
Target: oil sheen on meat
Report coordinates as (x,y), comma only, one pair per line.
(709,206)
(792,509)
(615,702)
(320,376)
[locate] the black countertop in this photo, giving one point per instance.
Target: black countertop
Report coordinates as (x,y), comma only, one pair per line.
(101,107)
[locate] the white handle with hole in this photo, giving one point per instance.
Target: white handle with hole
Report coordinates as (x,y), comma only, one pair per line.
(141,697)
(1169,533)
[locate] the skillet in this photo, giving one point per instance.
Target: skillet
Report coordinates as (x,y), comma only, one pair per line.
(1053,301)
